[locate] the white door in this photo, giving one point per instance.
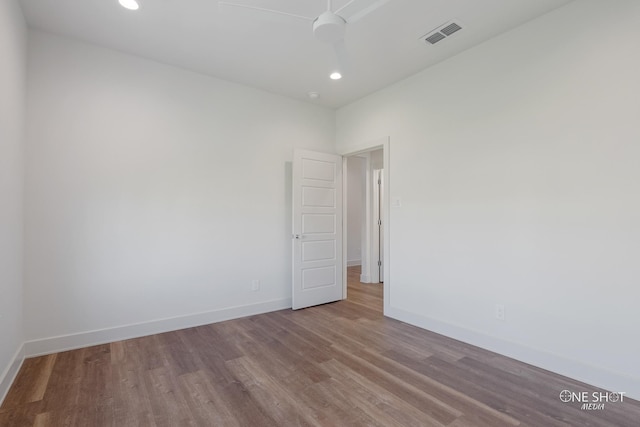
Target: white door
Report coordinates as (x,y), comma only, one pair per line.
(317,228)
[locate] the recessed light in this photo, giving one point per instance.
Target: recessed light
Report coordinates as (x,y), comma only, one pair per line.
(335,76)
(129,4)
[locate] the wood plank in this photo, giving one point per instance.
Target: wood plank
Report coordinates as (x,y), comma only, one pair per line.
(42,381)
(205,401)
(274,400)
(42,420)
(377,400)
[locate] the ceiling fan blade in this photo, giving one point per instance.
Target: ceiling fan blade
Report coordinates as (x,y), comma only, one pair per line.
(342,56)
(362,12)
(349,3)
(261,9)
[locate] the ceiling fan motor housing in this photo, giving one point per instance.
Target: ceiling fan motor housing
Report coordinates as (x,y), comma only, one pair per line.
(329,27)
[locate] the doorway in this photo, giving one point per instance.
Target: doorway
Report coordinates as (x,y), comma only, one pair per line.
(366,211)
(320,229)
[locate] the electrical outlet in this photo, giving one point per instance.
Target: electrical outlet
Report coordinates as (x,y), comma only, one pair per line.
(500,312)
(255,285)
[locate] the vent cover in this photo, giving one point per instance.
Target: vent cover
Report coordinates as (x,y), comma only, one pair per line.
(435,38)
(441,33)
(450,29)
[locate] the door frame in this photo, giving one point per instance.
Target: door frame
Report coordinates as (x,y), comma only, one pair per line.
(384,144)
(377,215)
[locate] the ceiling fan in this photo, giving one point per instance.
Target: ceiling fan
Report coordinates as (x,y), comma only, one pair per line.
(330,26)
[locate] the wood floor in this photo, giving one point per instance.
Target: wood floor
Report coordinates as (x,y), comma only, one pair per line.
(340,364)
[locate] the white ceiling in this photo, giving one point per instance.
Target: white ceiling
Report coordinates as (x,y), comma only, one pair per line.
(277,53)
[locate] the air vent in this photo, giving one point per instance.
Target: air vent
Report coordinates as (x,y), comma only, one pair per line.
(441,33)
(450,29)
(435,38)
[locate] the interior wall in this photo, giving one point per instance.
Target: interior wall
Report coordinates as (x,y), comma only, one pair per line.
(13,44)
(356,167)
(153,193)
(515,165)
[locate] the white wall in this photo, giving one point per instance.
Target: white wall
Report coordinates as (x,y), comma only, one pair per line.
(13,44)
(516,164)
(355,208)
(152,193)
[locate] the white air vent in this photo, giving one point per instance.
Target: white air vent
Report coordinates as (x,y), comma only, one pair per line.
(442,32)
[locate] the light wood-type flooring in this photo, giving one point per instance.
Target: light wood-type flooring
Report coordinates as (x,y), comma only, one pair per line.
(340,364)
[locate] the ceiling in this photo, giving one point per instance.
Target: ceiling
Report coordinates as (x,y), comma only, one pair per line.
(278,53)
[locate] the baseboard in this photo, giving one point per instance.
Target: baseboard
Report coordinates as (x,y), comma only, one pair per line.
(354,263)
(580,371)
(10,373)
(102,336)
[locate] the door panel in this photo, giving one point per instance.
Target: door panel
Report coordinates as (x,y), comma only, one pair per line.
(318,223)
(320,170)
(319,197)
(317,228)
(319,250)
(318,277)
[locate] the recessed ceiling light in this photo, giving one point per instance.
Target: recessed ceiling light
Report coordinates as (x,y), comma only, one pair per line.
(129,4)
(335,76)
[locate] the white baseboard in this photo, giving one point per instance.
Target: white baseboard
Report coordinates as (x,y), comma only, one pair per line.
(354,263)
(575,369)
(103,336)
(10,373)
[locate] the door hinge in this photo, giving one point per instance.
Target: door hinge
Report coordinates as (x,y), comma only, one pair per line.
(379,263)
(379,222)
(379,181)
